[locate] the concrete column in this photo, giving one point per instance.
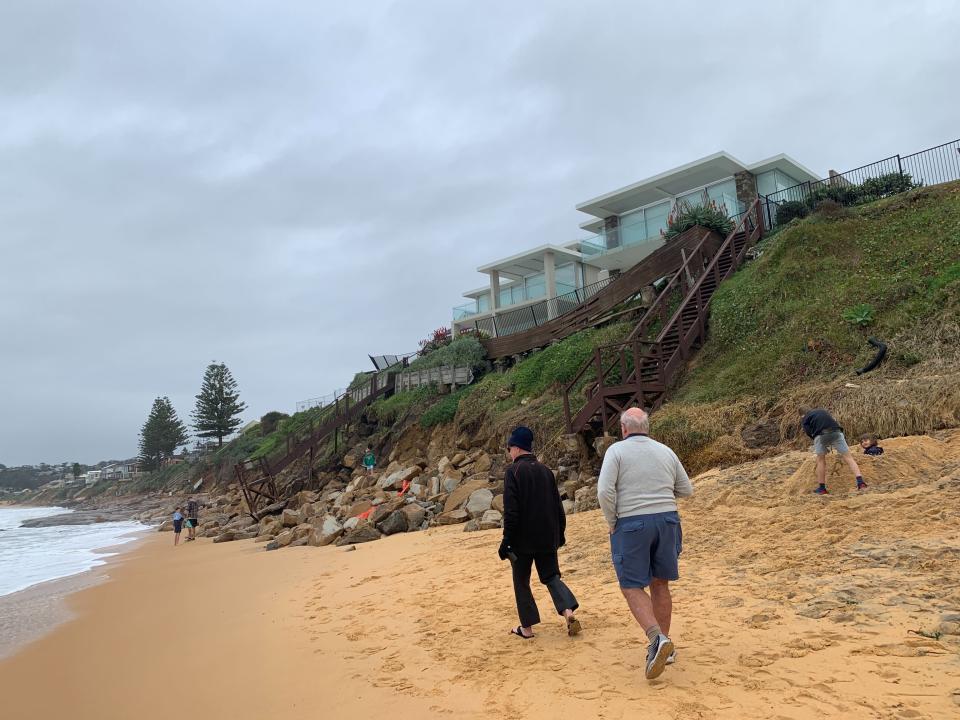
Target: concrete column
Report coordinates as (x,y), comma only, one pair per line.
(550,277)
(494,290)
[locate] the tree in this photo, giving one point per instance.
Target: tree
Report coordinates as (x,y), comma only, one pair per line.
(161,434)
(218,404)
(77,470)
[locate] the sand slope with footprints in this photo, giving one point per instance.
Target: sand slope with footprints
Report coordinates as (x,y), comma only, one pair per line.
(791,605)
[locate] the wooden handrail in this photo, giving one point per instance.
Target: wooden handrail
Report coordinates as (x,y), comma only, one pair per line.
(679,330)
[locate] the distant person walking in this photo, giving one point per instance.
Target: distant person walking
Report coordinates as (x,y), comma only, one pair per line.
(193,518)
(533,529)
(369,460)
(826,433)
(177,525)
(640,481)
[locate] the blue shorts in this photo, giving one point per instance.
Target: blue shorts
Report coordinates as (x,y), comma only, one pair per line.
(823,442)
(177,525)
(645,547)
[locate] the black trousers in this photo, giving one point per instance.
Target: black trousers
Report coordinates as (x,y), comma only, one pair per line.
(548,570)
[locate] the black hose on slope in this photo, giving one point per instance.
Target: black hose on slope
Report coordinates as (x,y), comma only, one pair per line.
(877,359)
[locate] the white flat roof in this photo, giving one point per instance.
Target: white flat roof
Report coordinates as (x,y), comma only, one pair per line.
(529,261)
(681,179)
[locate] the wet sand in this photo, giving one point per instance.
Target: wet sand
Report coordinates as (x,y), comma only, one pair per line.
(790,606)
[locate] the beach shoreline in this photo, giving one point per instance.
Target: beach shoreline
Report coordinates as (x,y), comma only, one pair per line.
(28,614)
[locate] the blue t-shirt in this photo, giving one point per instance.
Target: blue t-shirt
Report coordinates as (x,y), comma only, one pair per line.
(177,517)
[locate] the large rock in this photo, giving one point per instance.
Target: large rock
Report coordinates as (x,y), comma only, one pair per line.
(359,507)
(284,538)
(482,463)
(166,526)
(479,502)
(459,496)
(457,460)
(395,522)
(568,506)
(415,515)
(472,525)
(302,530)
(270,525)
(602,443)
(350,460)
(497,503)
(325,531)
(586,499)
(360,534)
(450,479)
(290,518)
(452,517)
(491,519)
(224,537)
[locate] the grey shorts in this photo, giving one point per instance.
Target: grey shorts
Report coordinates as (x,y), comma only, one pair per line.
(645,547)
(836,440)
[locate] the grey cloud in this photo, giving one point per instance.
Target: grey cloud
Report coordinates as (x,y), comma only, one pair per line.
(288,187)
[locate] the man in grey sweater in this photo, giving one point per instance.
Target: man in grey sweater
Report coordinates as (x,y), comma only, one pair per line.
(640,480)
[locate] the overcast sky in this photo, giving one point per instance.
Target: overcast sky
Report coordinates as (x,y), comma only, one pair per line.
(288,187)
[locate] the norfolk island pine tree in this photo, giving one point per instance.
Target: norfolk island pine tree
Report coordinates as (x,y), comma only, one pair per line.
(161,434)
(218,405)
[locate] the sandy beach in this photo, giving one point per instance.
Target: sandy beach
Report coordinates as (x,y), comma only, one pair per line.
(790,606)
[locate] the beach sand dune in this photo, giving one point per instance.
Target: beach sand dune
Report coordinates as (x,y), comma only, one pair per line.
(790,606)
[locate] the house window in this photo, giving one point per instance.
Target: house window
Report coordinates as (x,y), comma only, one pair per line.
(566,278)
(633,228)
(656,217)
(724,194)
(536,286)
(483,303)
(643,225)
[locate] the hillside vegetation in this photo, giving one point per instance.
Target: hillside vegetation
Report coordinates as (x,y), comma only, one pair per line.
(791,328)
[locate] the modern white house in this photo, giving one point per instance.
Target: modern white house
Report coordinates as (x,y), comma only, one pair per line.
(92,477)
(625,226)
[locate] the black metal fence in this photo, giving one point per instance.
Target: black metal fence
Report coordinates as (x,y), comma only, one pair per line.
(536,314)
(879,179)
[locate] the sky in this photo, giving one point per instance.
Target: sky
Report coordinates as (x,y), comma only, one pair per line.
(289,187)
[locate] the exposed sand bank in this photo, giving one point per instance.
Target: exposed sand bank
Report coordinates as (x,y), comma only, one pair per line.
(791,606)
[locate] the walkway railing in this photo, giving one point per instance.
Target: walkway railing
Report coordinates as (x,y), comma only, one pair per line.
(876,180)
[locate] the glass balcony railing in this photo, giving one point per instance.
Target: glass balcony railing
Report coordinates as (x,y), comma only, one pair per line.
(464,311)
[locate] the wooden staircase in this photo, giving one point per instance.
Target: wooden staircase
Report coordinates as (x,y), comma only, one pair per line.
(258,478)
(637,372)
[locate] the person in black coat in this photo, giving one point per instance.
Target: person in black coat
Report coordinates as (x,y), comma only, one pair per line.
(533,529)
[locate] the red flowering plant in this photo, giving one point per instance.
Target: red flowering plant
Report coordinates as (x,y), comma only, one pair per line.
(440,337)
(709,215)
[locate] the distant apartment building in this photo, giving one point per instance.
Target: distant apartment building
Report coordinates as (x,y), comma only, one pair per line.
(121,472)
(626,226)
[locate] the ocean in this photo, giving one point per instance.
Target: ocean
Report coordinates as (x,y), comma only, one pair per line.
(29,556)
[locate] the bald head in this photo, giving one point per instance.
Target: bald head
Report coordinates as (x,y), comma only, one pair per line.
(634,420)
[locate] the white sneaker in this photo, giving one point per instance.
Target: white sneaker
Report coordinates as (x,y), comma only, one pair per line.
(657,654)
(672,659)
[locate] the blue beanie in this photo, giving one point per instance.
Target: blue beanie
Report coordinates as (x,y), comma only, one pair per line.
(521,437)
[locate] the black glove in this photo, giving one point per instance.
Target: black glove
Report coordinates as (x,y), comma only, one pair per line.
(504,549)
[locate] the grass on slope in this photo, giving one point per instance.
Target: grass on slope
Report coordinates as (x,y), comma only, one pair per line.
(900,257)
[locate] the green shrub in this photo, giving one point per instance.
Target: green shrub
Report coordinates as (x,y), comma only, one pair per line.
(867,191)
(270,422)
(685,216)
(465,351)
(860,315)
(791,209)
